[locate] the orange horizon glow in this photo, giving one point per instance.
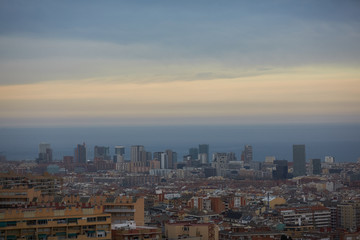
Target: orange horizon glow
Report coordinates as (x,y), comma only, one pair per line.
(305,92)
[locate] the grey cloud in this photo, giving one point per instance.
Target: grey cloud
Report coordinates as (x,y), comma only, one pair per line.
(67,40)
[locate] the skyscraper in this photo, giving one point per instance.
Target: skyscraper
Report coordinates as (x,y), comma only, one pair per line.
(247,154)
(157,155)
(194,152)
(164,161)
(138,153)
(119,150)
(220,162)
(281,170)
(80,153)
(148,156)
(204,149)
(119,154)
(172,158)
(315,166)
(299,160)
(231,156)
(45,153)
(101,152)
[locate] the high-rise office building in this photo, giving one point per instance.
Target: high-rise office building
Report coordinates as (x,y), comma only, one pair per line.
(80,153)
(43,147)
(138,153)
(164,161)
(247,154)
(101,152)
(220,162)
(119,150)
(119,154)
(204,149)
(231,156)
(45,153)
(148,156)
(315,166)
(172,158)
(299,163)
(281,169)
(167,159)
(194,153)
(157,155)
(203,158)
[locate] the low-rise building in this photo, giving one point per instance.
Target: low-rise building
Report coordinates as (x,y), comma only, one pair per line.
(17,196)
(201,231)
(316,216)
(47,184)
(129,230)
(55,223)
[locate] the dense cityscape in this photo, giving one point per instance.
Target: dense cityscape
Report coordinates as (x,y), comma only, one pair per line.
(157,196)
(199,120)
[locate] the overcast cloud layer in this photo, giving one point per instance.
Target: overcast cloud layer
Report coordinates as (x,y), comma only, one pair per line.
(249,49)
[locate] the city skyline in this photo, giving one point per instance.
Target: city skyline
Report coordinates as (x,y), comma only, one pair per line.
(161,63)
(138,153)
(341,141)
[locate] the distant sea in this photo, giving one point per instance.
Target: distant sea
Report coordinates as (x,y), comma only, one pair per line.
(338,140)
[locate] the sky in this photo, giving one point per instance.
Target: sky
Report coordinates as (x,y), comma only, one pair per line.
(102,63)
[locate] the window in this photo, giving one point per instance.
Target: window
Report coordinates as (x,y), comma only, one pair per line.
(31,222)
(42,236)
(101,233)
(92,226)
(72,235)
(72,220)
(42,221)
(11,224)
(90,234)
(101,219)
(103,226)
(61,235)
(91,219)
(62,220)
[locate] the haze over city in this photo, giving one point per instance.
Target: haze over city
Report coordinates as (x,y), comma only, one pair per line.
(199,120)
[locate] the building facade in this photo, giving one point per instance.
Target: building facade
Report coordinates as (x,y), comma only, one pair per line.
(299,160)
(201,231)
(315,216)
(247,154)
(80,153)
(204,149)
(220,163)
(55,223)
(138,153)
(45,153)
(101,152)
(315,166)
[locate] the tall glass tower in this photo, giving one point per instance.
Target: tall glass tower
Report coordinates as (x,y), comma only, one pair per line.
(299,160)
(204,149)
